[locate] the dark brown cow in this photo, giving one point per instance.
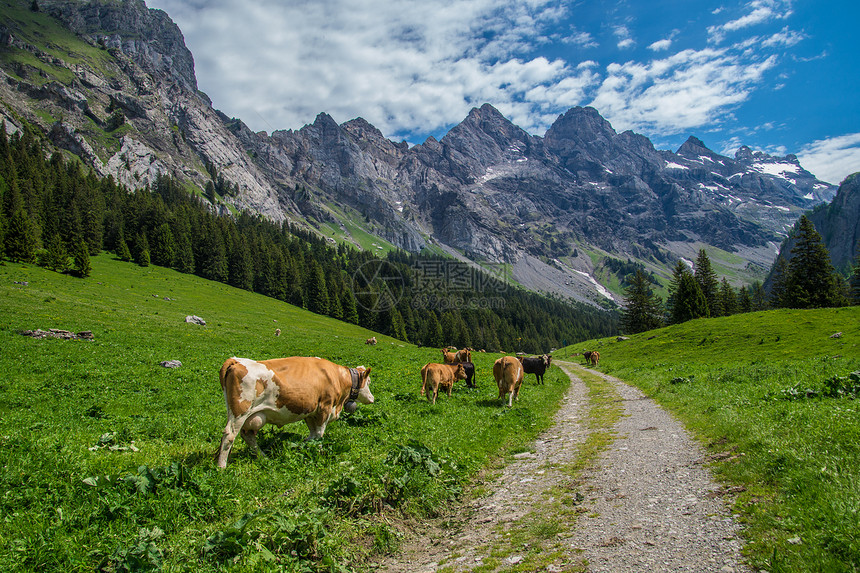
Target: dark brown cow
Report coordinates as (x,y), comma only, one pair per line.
(435,376)
(371,341)
(283,391)
(537,365)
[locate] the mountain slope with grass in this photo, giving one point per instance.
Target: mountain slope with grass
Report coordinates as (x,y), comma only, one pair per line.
(106,456)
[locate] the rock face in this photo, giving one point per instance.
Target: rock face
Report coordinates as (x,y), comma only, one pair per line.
(488,191)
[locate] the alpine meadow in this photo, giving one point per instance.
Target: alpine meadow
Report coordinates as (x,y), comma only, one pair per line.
(147,238)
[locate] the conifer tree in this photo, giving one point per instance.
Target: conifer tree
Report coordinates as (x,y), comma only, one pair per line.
(779,278)
(315,291)
(122,250)
(758,297)
(811,281)
(744,302)
(141,256)
(83,266)
(20,238)
(56,256)
(688,302)
(708,283)
(347,301)
(163,247)
(728,298)
(642,308)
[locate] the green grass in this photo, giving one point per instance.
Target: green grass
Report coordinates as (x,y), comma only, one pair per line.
(306,506)
(752,386)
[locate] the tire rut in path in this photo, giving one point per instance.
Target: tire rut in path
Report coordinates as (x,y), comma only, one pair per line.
(649,504)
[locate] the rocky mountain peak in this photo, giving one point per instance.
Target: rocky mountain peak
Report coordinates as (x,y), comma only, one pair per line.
(148,36)
(694,148)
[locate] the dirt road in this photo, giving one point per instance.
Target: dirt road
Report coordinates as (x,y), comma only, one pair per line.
(644,502)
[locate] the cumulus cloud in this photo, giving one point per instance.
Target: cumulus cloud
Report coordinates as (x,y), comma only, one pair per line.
(689,89)
(832,159)
(405,67)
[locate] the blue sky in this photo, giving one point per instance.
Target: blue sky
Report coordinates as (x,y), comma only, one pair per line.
(781,76)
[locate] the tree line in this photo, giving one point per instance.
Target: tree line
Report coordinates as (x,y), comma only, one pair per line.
(807,280)
(55,213)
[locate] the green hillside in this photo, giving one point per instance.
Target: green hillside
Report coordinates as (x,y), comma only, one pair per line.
(774,395)
(78,497)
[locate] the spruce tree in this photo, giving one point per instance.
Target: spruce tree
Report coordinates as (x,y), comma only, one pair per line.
(811,282)
(122,250)
(688,302)
(779,278)
(642,308)
(744,302)
(708,283)
(141,255)
(20,238)
(728,298)
(83,266)
(56,256)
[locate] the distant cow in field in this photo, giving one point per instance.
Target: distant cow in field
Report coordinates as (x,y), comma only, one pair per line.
(277,332)
(371,341)
(537,365)
(508,373)
(591,356)
(285,390)
(435,376)
(456,356)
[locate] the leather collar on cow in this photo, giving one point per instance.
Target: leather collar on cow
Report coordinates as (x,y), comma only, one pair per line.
(351,405)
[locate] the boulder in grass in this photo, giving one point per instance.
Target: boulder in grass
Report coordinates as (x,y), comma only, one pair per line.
(195,320)
(171,363)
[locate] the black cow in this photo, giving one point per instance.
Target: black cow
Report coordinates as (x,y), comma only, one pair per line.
(537,365)
(470,374)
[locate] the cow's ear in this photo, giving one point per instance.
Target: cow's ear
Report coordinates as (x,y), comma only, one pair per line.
(367,373)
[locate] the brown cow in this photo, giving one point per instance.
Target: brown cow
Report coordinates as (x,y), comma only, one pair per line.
(283,391)
(595,358)
(371,341)
(435,376)
(508,373)
(457,356)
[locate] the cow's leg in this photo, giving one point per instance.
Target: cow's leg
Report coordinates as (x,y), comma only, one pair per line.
(249,432)
(316,424)
(231,430)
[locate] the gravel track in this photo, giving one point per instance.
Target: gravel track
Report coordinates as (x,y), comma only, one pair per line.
(648,504)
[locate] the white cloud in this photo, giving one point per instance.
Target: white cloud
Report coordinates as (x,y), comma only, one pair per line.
(686,90)
(832,159)
(660,45)
(405,67)
(759,12)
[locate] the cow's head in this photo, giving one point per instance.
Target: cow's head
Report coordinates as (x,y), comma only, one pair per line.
(547,360)
(461,372)
(364,395)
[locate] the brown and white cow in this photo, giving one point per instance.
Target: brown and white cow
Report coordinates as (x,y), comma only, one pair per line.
(595,358)
(371,341)
(435,376)
(285,390)
(456,356)
(508,373)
